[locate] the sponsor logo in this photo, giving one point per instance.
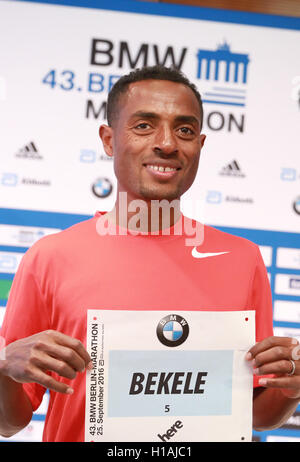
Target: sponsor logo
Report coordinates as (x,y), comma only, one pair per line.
(89,156)
(35,182)
(233,170)
(239,200)
(223,75)
(8,179)
(104,52)
(216,197)
(294,283)
(25,236)
(29,151)
(12,179)
(8,263)
(217,65)
(102,187)
(171,431)
(197,254)
(288,174)
(172,330)
(296,205)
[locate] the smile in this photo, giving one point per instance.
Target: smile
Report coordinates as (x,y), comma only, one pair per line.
(160,168)
(161,171)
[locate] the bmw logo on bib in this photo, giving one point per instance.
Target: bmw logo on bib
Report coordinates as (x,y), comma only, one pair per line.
(172,330)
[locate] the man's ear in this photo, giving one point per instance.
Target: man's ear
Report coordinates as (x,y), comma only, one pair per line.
(202,140)
(106,135)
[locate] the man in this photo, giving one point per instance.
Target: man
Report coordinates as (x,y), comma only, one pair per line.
(154,134)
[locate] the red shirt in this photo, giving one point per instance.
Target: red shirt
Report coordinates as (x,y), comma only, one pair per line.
(64,274)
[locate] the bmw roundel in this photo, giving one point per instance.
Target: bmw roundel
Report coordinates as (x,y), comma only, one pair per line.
(102,187)
(296,205)
(172,330)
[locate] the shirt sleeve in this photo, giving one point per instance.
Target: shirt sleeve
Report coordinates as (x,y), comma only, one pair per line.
(261,301)
(25,315)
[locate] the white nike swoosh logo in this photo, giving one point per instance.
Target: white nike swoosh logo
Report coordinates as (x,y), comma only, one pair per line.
(197,254)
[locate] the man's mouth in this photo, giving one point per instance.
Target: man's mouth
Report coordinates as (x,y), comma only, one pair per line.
(160,168)
(162,171)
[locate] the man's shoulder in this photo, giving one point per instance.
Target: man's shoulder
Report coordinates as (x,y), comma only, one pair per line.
(66,240)
(214,239)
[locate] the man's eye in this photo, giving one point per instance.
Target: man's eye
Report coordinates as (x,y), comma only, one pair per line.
(186,131)
(142,126)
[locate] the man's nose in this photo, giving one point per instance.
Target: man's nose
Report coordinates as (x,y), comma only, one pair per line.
(165,140)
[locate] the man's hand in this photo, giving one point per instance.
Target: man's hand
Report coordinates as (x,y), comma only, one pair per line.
(29,359)
(277,356)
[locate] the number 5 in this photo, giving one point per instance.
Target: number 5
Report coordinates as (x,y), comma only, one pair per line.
(167,408)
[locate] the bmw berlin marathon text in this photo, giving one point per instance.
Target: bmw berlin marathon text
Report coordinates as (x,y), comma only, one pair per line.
(109,61)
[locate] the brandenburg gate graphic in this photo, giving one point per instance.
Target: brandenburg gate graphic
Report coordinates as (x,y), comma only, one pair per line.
(222,54)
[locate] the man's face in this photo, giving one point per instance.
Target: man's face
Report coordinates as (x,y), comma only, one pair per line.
(155,140)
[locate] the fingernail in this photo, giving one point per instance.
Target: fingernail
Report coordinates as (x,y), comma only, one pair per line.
(90,365)
(248,356)
(256,371)
(69,391)
(262,382)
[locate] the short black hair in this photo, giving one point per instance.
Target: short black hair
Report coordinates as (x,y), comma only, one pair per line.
(147,73)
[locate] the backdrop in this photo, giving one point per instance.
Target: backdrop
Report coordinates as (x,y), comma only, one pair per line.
(57,64)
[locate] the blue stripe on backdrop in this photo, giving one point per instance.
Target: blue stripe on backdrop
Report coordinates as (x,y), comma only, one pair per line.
(182,11)
(264,237)
(281,432)
(40,218)
(222,102)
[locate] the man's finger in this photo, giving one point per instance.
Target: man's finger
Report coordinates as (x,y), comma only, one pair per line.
(278,367)
(47,363)
(268,343)
(281,382)
(75,344)
(42,378)
(65,354)
(271,355)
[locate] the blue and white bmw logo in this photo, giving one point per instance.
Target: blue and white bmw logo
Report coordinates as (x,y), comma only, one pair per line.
(296,205)
(102,187)
(172,330)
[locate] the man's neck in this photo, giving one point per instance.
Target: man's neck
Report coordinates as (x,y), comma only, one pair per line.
(144,215)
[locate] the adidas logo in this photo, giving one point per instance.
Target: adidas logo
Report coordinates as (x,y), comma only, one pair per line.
(29,151)
(232,169)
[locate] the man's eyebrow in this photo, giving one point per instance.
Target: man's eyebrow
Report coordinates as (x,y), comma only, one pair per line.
(145,115)
(180,118)
(187,119)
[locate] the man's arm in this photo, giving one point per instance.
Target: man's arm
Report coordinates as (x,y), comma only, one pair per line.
(28,360)
(271,409)
(278,396)
(13,418)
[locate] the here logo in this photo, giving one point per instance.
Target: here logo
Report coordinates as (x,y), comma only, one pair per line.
(171,431)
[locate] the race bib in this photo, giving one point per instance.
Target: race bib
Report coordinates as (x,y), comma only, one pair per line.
(166,376)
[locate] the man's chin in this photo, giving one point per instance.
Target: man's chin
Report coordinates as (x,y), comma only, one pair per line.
(159,194)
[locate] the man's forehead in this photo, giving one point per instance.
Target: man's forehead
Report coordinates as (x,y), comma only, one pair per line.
(160,93)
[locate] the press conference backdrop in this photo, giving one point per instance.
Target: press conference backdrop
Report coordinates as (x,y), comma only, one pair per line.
(57,64)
